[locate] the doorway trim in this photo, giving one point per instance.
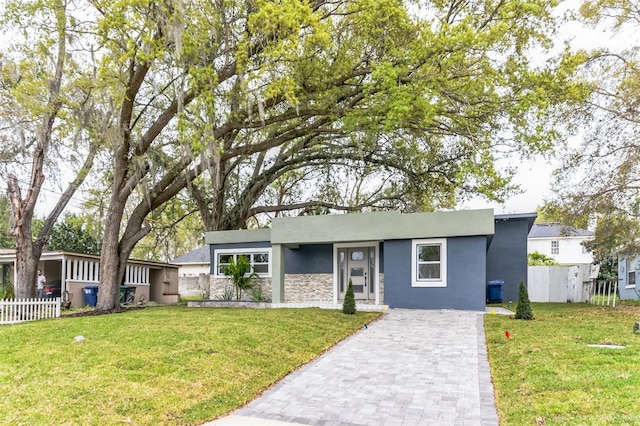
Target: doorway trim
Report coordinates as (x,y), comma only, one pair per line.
(336,266)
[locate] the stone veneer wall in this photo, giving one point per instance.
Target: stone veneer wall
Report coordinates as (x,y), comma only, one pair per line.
(217,286)
(299,288)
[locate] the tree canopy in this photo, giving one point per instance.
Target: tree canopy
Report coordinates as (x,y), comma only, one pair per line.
(263,108)
(598,184)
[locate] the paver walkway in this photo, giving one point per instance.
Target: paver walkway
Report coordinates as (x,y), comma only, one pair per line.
(411,367)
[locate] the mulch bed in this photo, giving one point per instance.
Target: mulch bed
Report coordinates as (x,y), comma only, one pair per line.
(94,312)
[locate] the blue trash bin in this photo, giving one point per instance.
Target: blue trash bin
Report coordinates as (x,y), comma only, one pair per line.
(91,295)
(494,291)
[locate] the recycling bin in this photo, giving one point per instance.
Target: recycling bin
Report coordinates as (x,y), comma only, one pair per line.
(91,295)
(494,291)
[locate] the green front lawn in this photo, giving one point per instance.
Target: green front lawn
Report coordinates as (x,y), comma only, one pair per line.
(159,365)
(546,373)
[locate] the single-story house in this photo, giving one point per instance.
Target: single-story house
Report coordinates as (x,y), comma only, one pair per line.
(155,282)
(628,276)
(440,260)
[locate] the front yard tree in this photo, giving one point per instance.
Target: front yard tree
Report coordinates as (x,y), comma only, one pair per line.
(398,114)
(598,183)
(231,100)
(44,113)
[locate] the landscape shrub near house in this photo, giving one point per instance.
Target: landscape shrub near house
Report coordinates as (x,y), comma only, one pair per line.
(158,365)
(546,374)
(239,272)
(523,311)
(349,304)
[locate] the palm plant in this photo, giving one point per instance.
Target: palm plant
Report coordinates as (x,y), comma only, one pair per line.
(239,271)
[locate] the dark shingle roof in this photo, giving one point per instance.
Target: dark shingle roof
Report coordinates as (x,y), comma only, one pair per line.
(201,255)
(552,230)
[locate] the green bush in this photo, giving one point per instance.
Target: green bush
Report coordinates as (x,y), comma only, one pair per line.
(349,304)
(6,291)
(524,306)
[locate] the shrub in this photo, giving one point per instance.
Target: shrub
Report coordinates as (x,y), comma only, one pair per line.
(524,306)
(349,304)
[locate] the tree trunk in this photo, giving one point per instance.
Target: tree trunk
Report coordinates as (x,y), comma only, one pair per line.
(110,271)
(26,266)
(27,252)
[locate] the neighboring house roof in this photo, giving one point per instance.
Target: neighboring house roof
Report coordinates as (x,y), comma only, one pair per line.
(199,256)
(557,230)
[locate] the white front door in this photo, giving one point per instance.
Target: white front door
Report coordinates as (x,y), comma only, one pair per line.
(357,264)
(358,271)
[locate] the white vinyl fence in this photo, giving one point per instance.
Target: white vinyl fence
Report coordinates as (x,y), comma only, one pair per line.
(558,283)
(13,311)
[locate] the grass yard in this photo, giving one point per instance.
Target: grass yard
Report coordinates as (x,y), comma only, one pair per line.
(159,365)
(547,375)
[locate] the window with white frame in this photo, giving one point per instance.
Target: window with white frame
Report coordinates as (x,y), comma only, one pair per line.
(555,247)
(260,260)
(429,263)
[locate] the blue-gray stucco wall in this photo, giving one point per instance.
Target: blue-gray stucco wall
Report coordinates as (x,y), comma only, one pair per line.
(466,272)
(507,256)
(309,259)
(314,259)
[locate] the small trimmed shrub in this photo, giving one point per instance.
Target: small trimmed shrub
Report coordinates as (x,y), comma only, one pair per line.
(349,304)
(524,306)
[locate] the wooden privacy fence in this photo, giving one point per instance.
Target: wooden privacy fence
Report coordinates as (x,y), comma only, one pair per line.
(13,311)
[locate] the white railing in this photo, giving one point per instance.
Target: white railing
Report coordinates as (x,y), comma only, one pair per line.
(603,293)
(13,311)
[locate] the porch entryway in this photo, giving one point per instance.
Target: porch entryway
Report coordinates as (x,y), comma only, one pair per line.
(358,263)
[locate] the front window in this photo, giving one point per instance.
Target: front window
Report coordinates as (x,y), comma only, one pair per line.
(555,247)
(429,259)
(259,259)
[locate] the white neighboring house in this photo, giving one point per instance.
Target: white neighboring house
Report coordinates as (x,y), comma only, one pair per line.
(194,263)
(562,243)
(193,271)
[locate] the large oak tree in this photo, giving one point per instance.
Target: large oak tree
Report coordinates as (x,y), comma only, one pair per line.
(260,107)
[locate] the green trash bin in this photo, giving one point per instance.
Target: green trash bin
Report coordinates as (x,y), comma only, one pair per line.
(127,294)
